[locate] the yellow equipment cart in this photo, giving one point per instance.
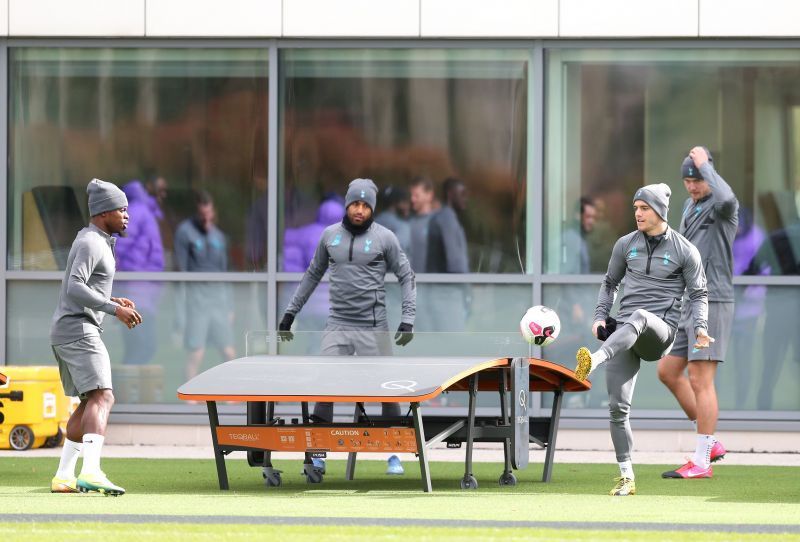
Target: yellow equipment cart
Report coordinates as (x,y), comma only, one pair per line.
(37,410)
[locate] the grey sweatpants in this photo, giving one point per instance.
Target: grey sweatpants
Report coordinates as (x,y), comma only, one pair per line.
(644,336)
(338,340)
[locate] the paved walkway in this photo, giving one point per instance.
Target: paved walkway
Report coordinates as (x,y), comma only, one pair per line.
(484,452)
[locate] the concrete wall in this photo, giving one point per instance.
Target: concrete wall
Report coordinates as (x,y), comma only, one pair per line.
(401,18)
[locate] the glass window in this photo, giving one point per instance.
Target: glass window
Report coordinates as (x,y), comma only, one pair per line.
(162,123)
(409,119)
(446,313)
(178,338)
(618,119)
(762,371)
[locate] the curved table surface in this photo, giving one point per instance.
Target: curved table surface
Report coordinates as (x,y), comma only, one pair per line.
(332,378)
(361,379)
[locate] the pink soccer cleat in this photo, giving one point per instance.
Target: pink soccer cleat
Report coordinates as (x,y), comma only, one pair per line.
(717,452)
(689,470)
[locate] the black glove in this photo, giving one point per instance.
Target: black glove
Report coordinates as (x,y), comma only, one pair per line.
(285,327)
(404,334)
(604,332)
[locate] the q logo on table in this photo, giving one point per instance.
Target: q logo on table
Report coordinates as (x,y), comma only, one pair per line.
(407,385)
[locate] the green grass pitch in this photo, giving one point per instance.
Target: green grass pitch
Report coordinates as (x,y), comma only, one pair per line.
(737,497)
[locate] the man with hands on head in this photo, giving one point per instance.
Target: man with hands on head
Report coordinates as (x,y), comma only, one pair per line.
(357,252)
(658,265)
(83,361)
(710,220)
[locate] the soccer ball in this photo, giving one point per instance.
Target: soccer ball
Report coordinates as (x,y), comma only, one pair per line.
(540,325)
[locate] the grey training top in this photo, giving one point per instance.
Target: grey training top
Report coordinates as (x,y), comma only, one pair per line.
(358,266)
(85,295)
(447,243)
(655,279)
(710,224)
(399,226)
(419,242)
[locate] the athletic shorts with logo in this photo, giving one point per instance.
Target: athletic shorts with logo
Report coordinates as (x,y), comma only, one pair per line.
(84,365)
(720,321)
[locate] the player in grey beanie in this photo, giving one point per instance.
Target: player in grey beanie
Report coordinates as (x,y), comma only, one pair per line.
(104,197)
(690,171)
(657,197)
(362,190)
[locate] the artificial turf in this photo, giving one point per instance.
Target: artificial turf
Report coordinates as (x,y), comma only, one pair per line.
(737,495)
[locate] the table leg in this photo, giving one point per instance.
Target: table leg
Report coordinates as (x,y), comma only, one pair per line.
(350,469)
(219,457)
(422,450)
(469,481)
(555,418)
(505,416)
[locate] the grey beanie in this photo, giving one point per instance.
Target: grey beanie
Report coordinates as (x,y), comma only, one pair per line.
(362,190)
(104,197)
(656,196)
(689,170)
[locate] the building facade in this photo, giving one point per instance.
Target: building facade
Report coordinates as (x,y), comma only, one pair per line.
(273,106)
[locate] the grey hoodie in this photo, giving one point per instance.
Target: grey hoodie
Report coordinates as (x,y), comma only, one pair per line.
(358,266)
(655,279)
(710,224)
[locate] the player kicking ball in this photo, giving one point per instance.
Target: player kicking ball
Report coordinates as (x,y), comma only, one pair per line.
(659,265)
(83,361)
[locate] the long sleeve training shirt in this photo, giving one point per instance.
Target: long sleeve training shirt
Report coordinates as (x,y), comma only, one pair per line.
(358,266)
(85,296)
(655,279)
(710,224)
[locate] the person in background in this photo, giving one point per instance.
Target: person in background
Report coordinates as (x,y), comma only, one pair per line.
(395,217)
(709,221)
(141,250)
(447,253)
(575,259)
(200,246)
(299,246)
(423,200)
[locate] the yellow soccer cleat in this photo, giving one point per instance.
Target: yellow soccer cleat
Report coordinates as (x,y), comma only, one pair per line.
(624,487)
(584,358)
(100,483)
(64,485)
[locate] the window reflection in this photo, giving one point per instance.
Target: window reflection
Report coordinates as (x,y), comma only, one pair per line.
(175,120)
(399,115)
(619,119)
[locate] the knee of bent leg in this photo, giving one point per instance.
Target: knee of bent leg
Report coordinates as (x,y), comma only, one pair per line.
(665,373)
(639,316)
(618,409)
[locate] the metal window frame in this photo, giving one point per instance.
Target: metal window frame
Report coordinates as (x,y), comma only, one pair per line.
(536,125)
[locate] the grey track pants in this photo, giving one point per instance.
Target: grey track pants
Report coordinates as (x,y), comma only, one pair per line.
(339,340)
(644,336)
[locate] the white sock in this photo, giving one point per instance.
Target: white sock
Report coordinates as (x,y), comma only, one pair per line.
(598,358)
(626,470)
(702,452)
(69,457)
(92,446)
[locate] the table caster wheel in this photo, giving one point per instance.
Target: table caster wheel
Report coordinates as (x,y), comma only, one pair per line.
(272,477)
(507,479)
(313,475)
(469,482)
